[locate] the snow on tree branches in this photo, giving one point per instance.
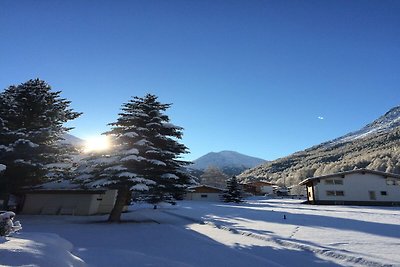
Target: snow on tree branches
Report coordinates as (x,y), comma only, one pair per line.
(145,155)
(32,121)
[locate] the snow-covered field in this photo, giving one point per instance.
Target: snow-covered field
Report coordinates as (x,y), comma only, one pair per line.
(254,233)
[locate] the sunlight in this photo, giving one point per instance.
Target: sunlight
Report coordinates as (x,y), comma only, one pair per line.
(97,143)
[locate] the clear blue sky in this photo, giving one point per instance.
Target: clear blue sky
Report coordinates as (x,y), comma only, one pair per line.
(250,76)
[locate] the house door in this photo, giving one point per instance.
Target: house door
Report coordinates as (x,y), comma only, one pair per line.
(372,195)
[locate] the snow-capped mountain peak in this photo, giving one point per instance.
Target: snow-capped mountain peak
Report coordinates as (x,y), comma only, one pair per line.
(385,123)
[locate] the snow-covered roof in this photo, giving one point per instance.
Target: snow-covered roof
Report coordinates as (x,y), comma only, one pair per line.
(60,184)
(204,186)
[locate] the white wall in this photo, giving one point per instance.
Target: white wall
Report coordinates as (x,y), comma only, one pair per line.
(356,187)
(267,189)
(51,204)
(107,202)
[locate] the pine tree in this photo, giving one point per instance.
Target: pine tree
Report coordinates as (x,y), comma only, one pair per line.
(233,192)
(31,126)
(145,155)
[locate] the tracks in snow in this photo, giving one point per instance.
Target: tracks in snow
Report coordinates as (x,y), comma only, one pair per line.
(294,244)
(294,231)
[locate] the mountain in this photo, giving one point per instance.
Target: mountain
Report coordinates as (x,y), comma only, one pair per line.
(230,162)
(384,124)
(72,140)
(375,146)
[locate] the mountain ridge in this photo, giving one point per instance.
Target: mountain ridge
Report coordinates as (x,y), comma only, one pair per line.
(375,146)
(389,120)
(229,162)
(226,158)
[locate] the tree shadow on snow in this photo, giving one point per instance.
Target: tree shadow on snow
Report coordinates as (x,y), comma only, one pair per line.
(3,239)
(310,220)
(149,244)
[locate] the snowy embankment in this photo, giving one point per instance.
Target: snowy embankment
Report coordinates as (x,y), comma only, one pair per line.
(37,249)
(198,234)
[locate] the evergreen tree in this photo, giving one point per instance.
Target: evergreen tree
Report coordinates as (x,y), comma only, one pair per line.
(31,127)
(145,155)
(233,192)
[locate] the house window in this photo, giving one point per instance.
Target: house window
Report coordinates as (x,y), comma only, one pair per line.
(383,193)
(338,181)
(333,181)
(334,193)
(372,195)
(339,193)
(390,182)
(330,193)
(204,196)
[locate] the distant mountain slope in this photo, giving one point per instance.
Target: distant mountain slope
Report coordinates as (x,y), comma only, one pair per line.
(376,146)
(230,162)
(72,140)
(383,124)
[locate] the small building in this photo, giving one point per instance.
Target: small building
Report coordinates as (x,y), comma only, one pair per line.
(258,188)
(204,193)
(356,187)
(67,201)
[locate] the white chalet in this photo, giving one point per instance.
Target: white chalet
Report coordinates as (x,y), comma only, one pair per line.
(356,187)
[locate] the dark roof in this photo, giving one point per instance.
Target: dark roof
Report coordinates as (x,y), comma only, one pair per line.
(384,174)
(204,186)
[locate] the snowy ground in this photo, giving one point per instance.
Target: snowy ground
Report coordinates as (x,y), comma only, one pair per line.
(213,234)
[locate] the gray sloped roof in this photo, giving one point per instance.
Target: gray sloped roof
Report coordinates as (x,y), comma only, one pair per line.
(384,174)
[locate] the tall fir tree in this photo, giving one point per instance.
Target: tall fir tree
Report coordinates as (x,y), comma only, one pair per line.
(32,119)
(145,155)
(233,192)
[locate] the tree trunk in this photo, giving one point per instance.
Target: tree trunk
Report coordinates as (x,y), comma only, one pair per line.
(123,194)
